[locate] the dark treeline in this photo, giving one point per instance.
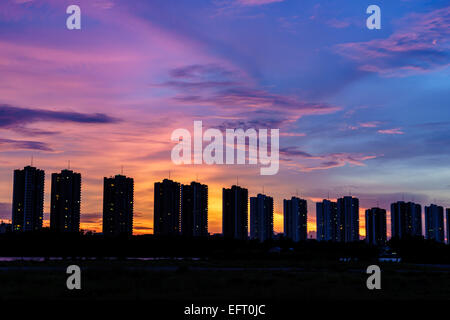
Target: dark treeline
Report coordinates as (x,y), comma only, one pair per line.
(49,244)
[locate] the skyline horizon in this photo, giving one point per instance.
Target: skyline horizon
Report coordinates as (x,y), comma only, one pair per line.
(311,225)
(359,111)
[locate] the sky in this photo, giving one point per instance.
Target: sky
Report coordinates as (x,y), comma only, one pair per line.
(361,112)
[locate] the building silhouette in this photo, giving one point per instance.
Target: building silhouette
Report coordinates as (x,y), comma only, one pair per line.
(295,212)
(326,221)
(434,223)
(194,210)
(261,217)
(376,226)
(28,199)
(348,219)
(118,193)
(448,224)
(406,219)
(65,201)
(167,208)
(235,213)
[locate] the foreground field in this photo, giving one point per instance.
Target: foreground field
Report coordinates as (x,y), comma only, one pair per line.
(218,281)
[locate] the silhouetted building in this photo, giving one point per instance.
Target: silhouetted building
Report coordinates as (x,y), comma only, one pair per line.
(348,219)
(118,194)
(434,222)
(406,219)
(448,224)
(261,217)
(326,221)
(194,210)
(376,226)
(65,201)
(28,199)
(167,208)
(235,213)
(295,213)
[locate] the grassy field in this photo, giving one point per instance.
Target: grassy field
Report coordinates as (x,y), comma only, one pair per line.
(217,281)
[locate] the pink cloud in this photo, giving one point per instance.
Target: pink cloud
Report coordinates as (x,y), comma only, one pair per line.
(256,2)
(371,124)
(292,134)
(338,24)
(391,131)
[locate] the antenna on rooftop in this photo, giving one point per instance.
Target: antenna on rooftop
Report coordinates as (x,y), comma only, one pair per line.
(68,164)
(32,160)
(237,180)
(263,189)
(169,174)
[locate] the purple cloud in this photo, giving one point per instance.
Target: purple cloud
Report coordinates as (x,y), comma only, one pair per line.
(11,116)
(9,144)
(421,45)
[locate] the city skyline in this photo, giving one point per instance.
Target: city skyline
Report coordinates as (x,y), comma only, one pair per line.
(183,210)
(361,112)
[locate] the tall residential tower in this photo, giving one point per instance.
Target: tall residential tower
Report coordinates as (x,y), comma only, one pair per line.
(65,201)
(376,226)
(261,217)
(326,221)
(434,223)
(167,208)
(235,213)
(118,194)
(28,199)
(295,219)
(194,210)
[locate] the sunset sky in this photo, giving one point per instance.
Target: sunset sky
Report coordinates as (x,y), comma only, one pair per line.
(361,112)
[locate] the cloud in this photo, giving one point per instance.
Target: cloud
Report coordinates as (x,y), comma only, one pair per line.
(338,24)
(11,116)
(142,228)
(256,2)
(391,131)
(91,217)
(8,144)
(237,96)
(312,162)
(294,151)
(420,45)
(370,124)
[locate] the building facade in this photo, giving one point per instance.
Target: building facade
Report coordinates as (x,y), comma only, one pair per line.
(348,219)
(194,210)
(167,208)
(235,213)
(376,226)
(434,223)
(28,199)
(261,217)
(448,224)
(326,221)
(406,219)
(295,212)
(65,201)
(118,203)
